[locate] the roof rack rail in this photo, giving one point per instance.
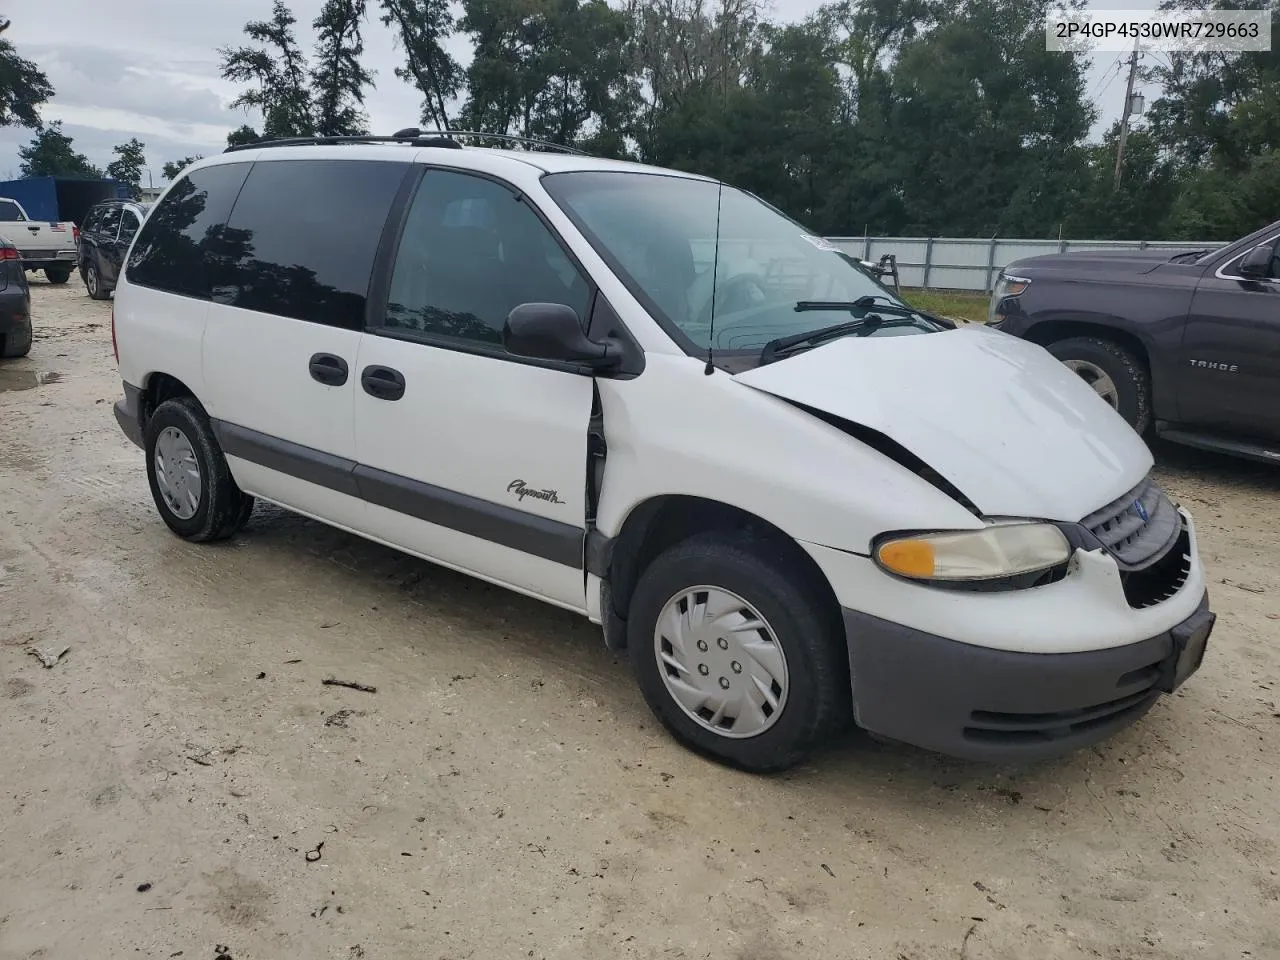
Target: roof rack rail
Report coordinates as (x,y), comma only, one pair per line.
(412,136)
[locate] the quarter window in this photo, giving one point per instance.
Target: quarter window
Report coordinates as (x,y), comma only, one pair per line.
(471,252)
(128,226)
(110,222)
(173,246)
(302,239)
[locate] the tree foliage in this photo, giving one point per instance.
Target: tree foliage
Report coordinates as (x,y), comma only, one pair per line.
(129,163)
(339,79)
(23,87)
(172,168)
(277,73)
(422,27)
(51,154)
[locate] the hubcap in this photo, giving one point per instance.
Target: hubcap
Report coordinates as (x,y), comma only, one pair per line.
(93,280)
(721,662)
(177,473)
(1097,378)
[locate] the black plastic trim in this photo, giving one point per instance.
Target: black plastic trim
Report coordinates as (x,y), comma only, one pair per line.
(529,533)
(129,413)
(599,553)
(979,703)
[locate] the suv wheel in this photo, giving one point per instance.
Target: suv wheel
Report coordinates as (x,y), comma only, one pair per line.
(190,481)
(57,275)
(16,343)
(93,281)
(738,655)
(1114,372)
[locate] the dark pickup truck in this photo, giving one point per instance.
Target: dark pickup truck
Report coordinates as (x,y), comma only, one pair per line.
(1182,343)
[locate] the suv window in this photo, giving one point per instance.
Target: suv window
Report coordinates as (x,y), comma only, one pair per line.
(91,220)
(302,238)
(471,252)
(172,248)
(9,212)
(110,222)
(129,224)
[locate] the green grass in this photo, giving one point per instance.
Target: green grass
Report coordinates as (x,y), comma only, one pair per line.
(958,304)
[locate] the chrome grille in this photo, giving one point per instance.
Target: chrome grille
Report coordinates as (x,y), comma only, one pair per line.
(1138,528)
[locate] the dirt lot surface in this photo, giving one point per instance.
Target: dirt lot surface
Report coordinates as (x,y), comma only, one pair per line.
(505,792)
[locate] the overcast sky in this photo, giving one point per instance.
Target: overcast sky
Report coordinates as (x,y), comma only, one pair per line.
(149,68)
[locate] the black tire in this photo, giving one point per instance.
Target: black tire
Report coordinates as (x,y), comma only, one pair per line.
(93,281)
(223,508)
(1126,370)
(57,275)
(16,343)
(805,622)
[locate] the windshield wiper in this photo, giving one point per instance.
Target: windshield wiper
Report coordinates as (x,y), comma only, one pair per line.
(783,345)
(889,306)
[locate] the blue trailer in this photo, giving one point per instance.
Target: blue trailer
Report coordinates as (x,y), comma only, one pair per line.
(62,199)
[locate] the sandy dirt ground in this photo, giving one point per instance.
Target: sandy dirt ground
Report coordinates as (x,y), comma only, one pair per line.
(505,792)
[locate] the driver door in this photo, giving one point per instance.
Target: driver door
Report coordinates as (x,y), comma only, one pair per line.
(1230,357)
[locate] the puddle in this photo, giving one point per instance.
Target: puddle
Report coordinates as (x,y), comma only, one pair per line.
(11,379)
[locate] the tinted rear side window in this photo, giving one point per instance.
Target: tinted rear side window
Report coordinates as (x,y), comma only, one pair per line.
(303,236)
(171,250)
(9,212)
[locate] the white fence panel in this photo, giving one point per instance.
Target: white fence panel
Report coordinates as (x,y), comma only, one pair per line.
(969,263)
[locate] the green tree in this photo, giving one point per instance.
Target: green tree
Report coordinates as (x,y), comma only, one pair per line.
(276,70)
(339,79)
(50,154)
(129,163)
(422,28)
(243,136)
(23,87)
(172,168)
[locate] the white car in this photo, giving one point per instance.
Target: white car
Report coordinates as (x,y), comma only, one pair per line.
(50,247)
(652,399)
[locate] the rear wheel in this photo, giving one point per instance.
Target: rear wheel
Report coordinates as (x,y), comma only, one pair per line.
(1114,372)
(737,653)
(16,343)
(190,481)
(57,275)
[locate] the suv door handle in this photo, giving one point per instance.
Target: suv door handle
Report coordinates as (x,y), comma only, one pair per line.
(328,369)
(382,382)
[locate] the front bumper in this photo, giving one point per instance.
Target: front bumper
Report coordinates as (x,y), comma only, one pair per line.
(129,413)
(979,703)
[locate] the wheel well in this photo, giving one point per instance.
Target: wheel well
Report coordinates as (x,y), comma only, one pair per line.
(663,522)
(1052,331)
(159,388)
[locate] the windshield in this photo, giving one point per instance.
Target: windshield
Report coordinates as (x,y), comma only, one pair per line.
(773,279)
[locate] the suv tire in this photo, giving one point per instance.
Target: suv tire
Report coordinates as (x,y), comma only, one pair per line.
(16,343)
(798,652)
(1114,371)
(190,481)
(57,275)
(93,280)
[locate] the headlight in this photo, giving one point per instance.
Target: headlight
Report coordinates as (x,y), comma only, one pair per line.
(1007,286)
(1001,551)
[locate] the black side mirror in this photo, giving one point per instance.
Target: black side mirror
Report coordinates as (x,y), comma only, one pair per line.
(553,331)
(1256,264)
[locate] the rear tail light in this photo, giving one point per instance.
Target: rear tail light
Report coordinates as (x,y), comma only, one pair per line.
(9,253)
(115,349)
(75,233)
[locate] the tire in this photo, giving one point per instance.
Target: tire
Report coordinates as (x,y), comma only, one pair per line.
(93,281)
(16,343)
(57,275)
(221,507)
(803,624)
(1127,373)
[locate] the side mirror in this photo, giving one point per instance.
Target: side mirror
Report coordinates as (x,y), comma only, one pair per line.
(1256,264)
(553,331)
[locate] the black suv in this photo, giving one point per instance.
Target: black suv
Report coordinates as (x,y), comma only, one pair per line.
(15,303)
(1183,342)
(108,229)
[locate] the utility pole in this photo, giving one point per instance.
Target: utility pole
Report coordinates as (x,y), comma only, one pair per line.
(1124,117)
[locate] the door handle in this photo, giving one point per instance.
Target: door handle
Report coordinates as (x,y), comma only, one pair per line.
(382,382)
(328,369)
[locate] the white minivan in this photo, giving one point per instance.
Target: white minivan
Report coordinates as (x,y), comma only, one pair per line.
(651,398)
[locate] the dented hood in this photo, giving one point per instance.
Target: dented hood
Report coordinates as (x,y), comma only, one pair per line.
(1003,421)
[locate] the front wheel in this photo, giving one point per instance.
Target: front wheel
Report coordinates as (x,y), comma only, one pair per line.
(57,275)
(739,655)
(190,481)
(1114,372)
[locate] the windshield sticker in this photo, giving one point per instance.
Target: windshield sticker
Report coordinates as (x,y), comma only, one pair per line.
(819,242)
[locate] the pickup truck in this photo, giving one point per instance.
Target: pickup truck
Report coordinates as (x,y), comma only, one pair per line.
(1184,344)
(51,247)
